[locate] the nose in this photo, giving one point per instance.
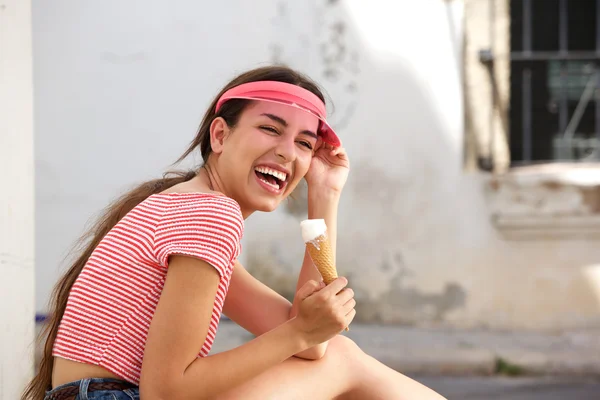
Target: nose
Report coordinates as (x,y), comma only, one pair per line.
(286,148)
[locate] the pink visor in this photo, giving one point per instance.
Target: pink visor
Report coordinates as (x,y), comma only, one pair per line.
(288,94)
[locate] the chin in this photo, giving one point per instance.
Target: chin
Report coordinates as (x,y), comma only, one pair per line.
(268,206)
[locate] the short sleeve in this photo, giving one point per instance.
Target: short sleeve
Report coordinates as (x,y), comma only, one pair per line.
(208,227)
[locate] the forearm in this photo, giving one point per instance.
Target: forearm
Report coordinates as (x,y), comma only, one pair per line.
(325,206)
(320,206)
(207,377)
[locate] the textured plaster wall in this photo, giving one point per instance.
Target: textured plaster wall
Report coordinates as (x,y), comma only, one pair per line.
(418,237)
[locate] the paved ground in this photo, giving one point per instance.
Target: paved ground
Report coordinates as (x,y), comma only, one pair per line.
(480,388)
(452,352)
(473,365)
(469,365)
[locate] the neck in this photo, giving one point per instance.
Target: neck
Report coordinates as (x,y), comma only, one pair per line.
(210,178)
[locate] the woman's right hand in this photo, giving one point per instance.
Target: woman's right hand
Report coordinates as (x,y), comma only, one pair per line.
(324,311)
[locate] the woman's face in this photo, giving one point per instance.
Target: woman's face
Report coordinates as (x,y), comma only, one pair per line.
(261,161)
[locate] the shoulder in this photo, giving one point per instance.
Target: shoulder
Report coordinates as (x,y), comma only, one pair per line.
(211,208)
(201,225)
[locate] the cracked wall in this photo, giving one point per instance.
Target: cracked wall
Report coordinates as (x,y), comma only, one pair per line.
(417,235)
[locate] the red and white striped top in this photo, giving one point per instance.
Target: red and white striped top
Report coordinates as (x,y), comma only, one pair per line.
(111,304)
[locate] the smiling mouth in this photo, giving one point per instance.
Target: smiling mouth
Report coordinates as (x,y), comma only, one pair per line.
(274,179)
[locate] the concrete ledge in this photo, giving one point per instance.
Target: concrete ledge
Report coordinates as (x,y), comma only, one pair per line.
(450,352)
(524,227)
(546,201)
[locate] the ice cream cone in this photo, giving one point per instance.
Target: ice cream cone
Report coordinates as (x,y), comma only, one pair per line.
(314,234)
(322,256)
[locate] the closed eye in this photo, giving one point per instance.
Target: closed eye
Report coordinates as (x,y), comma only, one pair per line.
(307,145)
(270,129)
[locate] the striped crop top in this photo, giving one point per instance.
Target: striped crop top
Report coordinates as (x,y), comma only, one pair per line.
(112,302)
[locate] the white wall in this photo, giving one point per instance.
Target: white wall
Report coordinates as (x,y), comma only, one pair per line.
(121,88)
(16,198)
(408,206)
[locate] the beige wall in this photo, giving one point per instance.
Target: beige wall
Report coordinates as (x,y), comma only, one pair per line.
(16,198)
(424,240)
(486,84)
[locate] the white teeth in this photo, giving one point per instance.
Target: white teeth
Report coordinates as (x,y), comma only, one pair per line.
(282,176)
(270,184)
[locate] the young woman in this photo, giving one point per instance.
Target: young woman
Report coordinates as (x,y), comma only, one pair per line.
(137,312)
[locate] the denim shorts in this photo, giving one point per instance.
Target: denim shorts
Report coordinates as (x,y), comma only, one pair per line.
(85,394)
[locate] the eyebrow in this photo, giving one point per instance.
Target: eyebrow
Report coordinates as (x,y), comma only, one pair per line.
(284,123)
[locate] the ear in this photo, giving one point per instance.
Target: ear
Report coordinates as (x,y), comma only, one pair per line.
(218,132)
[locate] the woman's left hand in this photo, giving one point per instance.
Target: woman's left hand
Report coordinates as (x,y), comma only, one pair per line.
(328,169)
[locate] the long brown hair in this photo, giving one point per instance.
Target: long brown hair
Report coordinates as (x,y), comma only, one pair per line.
(230,112)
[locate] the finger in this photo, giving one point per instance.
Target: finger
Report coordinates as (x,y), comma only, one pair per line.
(349,306)
(341,153)
(350,316)
(337,150)
(345,295)
(309,288)
(334,287)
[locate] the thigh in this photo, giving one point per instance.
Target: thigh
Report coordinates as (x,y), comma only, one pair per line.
(291,380)
(299,379)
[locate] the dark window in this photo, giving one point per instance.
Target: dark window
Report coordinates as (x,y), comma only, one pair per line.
(555,80)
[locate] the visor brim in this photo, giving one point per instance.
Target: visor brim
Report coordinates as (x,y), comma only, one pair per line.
(325,131)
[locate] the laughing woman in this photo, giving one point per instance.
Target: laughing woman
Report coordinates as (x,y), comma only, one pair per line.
(137,312)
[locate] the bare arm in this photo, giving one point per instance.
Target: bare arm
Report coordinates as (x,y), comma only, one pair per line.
(268,309)
(171,369)
(253,305)
(325,206)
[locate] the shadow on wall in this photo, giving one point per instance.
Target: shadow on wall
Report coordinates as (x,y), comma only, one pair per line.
(396,211)
(404,195)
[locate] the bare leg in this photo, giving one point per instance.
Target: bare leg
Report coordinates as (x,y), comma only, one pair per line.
(344,373)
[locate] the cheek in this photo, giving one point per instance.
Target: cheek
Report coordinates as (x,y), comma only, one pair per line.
(245,146)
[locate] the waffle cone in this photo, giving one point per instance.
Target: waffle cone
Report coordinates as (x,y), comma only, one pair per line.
(322,256)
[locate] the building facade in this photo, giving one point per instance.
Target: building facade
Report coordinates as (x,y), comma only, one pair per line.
(464,207)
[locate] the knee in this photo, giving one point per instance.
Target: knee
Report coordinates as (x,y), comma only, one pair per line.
(346,360)
(344,347)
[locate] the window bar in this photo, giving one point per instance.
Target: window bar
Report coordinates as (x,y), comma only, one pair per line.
(492,73)
(555,55)
(526,88)
(597,102)
(563,110)
(598,27)
(526,97)
(563,113)
(527,26)
(563,26)
(597,71)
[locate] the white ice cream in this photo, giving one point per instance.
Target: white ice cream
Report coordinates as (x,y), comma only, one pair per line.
(312,229)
